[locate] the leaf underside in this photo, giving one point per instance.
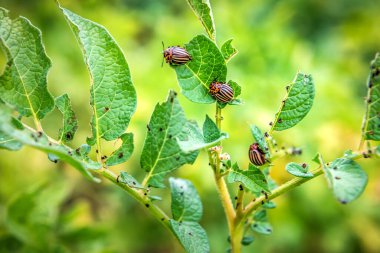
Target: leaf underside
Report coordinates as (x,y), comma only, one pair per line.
(70,122)
(297,170)
(113,96)
(346,178)
(298,102)
(161,153)
(23,83)
(371,122)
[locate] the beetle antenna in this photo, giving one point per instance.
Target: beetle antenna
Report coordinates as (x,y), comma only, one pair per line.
(163,50)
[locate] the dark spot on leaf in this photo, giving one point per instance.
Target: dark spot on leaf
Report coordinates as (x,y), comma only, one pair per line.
(175,93)
(264,180)
(147,126)
(279,121)
(106,109)
(335,168)
(147,205)
(171,100)
(145,193)
(170,136)
(282,147)
(68,136)
(241,187)
(50,144)
(269,230)
(190,234)
(304,165)
(343,201)
(236,197)
(162,219)
(39,134)
(55,161)
(262,202)
(271,123)
(255,225)
(161,129)
(77,151)
(133,182)
(120,155)
(177,158)
(369,101)
(97,151)
(337,178)
(370,84)
(287,88)
(266,134)
(117,179)
(181,187)
(209,164)
(69,153)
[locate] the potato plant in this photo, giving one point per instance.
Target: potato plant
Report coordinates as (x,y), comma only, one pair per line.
(171,139)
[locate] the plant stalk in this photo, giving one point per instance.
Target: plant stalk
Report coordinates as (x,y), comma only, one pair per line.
(157,213)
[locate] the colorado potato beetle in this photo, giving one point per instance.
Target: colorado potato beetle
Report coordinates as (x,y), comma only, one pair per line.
(176,55)
(256,154)
(221,92)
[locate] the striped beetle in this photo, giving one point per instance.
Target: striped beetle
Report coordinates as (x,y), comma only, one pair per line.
(221,92)
(175,55)
(256,155)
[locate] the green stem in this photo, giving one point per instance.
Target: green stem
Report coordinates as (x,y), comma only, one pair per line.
(139,196)
(279,191)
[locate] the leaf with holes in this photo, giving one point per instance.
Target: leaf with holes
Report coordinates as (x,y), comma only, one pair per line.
(23,83)
(371,122)
(296,104)
(161,153)
(196,140)
(123,153)
(253,178)
(207,65)
(113,96)
(25,135)
(346,178)
(298,170)
(228,50)
(70,122)
(202,10)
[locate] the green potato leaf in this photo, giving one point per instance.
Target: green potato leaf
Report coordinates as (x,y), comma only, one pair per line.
(161,153)
(70,122)
(186,204)
(260,139)
(298,170)
(346,178)
(113,96)
(371,122)
(7,142)
(23,84)
(297,103)
(187,211)
(191,235)
(27,136)
(124,152)
(202,10)
(207,65)
(196,139)
(253,178)
(228,50)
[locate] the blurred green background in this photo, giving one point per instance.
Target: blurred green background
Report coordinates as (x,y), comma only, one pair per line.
(332,40)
